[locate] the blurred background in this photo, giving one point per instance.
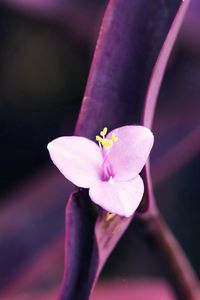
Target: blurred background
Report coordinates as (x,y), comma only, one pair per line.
(45,55)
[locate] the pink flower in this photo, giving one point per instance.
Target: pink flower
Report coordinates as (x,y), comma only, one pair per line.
(110,170)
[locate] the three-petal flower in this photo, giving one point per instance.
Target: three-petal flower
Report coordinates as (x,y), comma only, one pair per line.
(111,174)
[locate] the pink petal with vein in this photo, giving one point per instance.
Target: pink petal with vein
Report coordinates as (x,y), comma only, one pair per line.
(121,198)
(78,159)
(129,154)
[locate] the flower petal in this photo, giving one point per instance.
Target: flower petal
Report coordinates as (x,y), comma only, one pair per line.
(121,198)
(78,159)
(129,154)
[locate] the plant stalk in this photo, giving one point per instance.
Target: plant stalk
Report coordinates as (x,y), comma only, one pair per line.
(184,279)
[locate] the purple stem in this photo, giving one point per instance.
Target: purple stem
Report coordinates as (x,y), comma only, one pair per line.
(184,279)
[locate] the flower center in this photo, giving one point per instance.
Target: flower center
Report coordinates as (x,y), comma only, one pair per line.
(105,144)
(111,180)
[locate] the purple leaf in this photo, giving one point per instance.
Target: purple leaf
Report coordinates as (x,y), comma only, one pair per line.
(131,54)
(81,259)
(133,290)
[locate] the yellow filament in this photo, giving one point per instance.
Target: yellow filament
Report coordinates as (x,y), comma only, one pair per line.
(114,137)
(104,131)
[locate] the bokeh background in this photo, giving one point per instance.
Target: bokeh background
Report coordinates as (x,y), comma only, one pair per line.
(45,55)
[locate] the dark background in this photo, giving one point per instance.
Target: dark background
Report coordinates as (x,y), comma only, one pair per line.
(45,57)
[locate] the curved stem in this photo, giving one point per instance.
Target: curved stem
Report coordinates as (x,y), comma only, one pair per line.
(184,278)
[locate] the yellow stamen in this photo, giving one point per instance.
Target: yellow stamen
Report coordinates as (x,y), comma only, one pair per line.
(109,216)
(104,131)
(107,143)
(99,139)
(114,137)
